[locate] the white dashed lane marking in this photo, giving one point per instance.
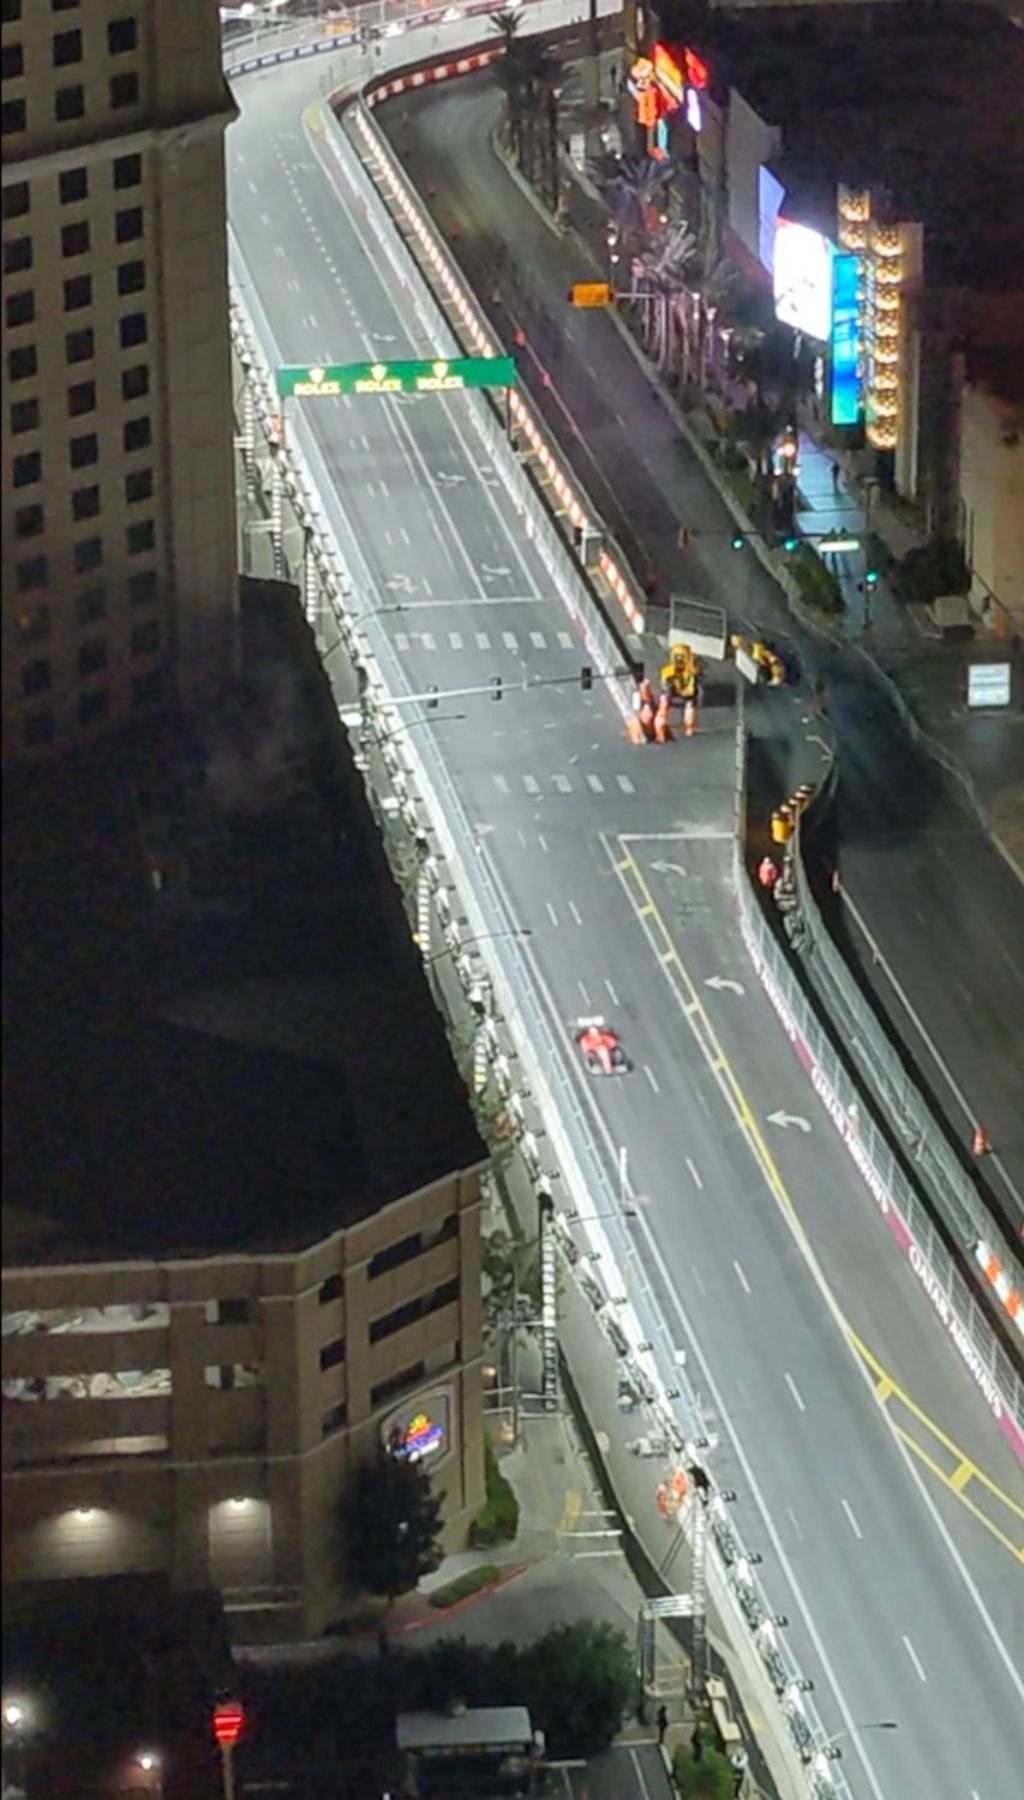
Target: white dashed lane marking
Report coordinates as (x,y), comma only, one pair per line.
(455,640)
(625,784)
(565,641)
(483,642)
(537,639)
(595,784)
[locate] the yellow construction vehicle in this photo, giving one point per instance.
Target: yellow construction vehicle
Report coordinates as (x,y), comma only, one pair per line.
(757,662)
(681,675)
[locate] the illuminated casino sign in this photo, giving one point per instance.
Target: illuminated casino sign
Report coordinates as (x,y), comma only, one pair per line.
(681,76)
(421,1431)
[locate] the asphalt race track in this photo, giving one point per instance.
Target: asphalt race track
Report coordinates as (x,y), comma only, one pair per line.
(904,1600)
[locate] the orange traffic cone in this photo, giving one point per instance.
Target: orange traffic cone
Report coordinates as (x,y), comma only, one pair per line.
(980,1144)
(689,719)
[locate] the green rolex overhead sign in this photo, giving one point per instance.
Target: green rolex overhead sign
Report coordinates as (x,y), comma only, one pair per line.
(320,381)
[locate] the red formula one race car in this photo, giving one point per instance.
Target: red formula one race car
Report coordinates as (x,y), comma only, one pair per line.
(600,1047)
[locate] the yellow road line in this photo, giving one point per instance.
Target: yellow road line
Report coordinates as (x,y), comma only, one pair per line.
(570,1511)
(886,1389)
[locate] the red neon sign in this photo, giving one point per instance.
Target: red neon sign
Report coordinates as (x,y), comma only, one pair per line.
(697,72)
(668,74)
(228,1719)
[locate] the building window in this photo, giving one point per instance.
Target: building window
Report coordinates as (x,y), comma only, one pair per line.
(140,537)
(12,62)
(93,656)
(10,11)
(38,728)
(17,255)
(403,1251)
(74,239)
(145,639)
(228,1312)
(67,48)
(79,346)
(124,90)
(20,309)
(24,416)
(33,573)
(143,588)
(77,293)
(332,1354)
(74,185)
(81,399)
(127,171)
(135,383)
(69,103)
(331,1289)
(17,200)
(85,503)
(36,677)
(334,1419)
(138,486)
(88,555)
(133,330)
(64,5)
(148,690)
(91,605)
(93,706)
(138,434)
(28,521)
(12,117)
(131,278)
(128,224)
(33,623)
(84,451)
(22,363)
(394,1384)
(122,36)
(28,468)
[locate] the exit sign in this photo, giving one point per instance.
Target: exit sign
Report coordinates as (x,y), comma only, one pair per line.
(440,375)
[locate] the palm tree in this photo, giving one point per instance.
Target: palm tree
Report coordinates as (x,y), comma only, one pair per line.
(660,269)
(512,77)
(632,188)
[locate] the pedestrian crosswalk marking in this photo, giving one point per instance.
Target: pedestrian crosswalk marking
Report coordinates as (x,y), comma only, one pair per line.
(531,785)
(625,784)
(510,640)
(455,639)
(537,640)
(427,638)
(595,784)
(562,783)
(483,642)
(501,784)
(401,640)
(565,641)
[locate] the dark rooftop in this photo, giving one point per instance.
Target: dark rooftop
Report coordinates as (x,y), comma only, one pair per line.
(921,102)
(249,1058)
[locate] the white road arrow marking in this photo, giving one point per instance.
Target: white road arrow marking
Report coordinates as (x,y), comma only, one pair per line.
(785,1119)
(718,982)
(383,337)
(490,574)
(667,868)
(446,480)
(400,584)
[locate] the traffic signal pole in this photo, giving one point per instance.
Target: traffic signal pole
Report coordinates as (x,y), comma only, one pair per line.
(498,687)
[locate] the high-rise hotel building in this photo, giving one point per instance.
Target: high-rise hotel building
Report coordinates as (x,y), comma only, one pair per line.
(119,548)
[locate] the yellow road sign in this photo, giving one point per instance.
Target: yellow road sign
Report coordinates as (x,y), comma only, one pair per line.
(590,293)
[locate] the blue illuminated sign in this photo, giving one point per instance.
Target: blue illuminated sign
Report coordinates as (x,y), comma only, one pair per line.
(846,397)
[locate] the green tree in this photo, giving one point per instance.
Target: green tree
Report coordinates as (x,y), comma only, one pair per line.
(392,1521)
(512,77)
(579,1684)
(710,1779)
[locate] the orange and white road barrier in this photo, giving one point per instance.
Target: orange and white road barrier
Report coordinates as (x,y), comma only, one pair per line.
(689,719)
(980,1145)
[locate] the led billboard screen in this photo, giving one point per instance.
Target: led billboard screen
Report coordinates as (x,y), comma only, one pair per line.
(770,195)
(845,340)
(802,279)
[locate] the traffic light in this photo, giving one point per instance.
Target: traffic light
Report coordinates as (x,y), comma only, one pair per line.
(738,540)
(496,687)
(433,691)
(871,578)
(586,678)
(791,543)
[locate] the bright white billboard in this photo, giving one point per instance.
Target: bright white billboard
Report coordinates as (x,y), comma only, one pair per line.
(802,278)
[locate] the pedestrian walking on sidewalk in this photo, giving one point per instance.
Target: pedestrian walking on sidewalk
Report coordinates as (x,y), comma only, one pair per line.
(835,478)
(697,1743)
(661,1720)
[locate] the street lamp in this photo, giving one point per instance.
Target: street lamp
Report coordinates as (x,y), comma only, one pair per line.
(831,1752)
(149,1762)
(385,737)
(482,937)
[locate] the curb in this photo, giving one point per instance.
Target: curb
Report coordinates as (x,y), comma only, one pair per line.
(446,1612)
